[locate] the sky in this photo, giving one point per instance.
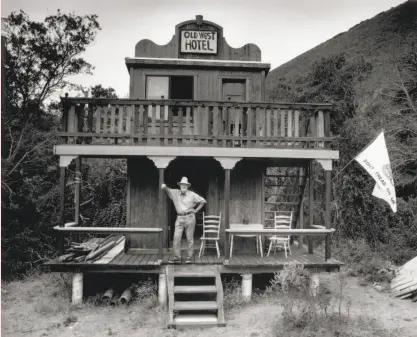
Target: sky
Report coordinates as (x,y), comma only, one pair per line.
(283,29)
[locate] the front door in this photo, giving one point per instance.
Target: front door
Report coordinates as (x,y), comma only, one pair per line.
(234,90)
(194,170)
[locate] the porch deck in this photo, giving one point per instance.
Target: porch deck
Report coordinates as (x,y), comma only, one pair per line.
(137,262)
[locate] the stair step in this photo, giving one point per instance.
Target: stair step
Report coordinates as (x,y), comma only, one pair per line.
(194,271)
(194,289)
(195,305)
(194,274)
(191,319)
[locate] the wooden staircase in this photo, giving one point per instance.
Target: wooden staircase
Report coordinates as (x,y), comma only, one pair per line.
(284,191)
(195,296)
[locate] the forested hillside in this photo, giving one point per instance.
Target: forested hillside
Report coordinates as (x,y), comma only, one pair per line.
(377,40)
(370,75)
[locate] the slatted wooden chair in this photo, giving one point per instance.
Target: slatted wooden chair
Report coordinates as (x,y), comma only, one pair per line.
(282,220)
(211,232)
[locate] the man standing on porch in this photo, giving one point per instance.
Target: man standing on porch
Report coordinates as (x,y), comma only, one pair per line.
(184,201)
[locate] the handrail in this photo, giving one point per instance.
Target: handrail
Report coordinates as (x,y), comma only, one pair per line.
(268,231)
(195,103)
(106,230)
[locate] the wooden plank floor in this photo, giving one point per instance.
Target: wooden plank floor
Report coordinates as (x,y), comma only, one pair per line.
(137,260)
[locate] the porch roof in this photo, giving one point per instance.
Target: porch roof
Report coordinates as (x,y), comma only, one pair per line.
(189,151)
(193,63)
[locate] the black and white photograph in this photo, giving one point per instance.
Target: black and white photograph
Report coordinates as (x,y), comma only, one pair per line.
(236,168)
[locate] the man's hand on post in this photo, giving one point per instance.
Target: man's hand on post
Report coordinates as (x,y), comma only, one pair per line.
(163,186)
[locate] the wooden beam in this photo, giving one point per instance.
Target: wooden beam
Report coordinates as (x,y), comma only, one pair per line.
(162,224)
(61,209)
(310,204)
(77,189)
(226,211)
(108,230)
(327,218)
(174,151)
(283,232)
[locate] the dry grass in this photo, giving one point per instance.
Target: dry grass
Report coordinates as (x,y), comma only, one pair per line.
(39,306)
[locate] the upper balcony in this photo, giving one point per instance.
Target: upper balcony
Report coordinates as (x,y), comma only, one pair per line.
(196,123)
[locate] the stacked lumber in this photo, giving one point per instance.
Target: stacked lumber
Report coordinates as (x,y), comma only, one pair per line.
(404,285)
(91,250)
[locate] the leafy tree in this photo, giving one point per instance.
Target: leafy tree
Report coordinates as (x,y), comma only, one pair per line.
(41,56)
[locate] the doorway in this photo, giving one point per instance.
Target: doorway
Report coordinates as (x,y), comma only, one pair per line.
(195,169)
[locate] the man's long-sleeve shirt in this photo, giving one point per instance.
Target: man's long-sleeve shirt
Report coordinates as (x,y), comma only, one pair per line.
(184,202)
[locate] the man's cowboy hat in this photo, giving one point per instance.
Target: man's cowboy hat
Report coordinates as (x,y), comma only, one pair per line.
(184,181)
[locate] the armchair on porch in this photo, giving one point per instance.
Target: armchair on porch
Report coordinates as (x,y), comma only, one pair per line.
(282,220)
(211,230)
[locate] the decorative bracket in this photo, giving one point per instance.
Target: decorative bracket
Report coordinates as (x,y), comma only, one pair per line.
(326,164)
(161,161)
(64,161)
(228,163)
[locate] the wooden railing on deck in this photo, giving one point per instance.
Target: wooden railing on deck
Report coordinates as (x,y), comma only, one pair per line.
(72,227)
(315,231)
(195,123)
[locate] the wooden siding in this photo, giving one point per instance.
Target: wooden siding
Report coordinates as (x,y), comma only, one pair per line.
(147,48)
(142,200)
(207,83)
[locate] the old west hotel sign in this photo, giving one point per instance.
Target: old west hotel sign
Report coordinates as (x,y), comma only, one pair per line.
(198,42)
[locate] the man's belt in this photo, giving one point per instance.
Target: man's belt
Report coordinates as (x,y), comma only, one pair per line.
(185,213)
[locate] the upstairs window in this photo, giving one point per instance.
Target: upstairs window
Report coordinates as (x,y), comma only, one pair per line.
(170,87)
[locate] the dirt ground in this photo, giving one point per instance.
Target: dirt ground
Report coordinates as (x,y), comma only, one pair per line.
(38,306)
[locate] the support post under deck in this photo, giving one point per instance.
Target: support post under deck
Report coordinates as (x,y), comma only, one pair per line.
(327,214)
(61,209)
(310,204)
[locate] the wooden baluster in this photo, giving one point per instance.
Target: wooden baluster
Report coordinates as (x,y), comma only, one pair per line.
(133,130)
(268,126)
(297,126)
(170,125)
(249,126)
(90,119)
(327,131)
(158,114)
(289,126)
(71,123)
(225,124)
(215,128)
(187,123)
(257,125)
(180,131)
(313,129)
(206,123)
(129,114)
(283,126)
(141,122)
(152,133)
(113,119)
(164,117)
(196,120)
(239,112)
(105,123)
(97,131)
(320,127)
(275,129)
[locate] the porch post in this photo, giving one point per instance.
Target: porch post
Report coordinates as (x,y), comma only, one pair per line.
(61,209)
(227,164)
(328,215)
(161,201)
(327,166)
(64,161)
(161,162)
(310,204)
(77,189)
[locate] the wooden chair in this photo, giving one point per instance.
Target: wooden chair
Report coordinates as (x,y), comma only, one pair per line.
(282,220)
(211,232)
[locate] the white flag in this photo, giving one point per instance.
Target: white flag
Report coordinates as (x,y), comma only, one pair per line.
(375,160)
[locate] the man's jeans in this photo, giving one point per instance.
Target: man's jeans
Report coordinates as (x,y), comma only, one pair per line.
(186,222)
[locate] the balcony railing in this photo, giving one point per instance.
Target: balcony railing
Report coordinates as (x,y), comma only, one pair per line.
(195,123)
